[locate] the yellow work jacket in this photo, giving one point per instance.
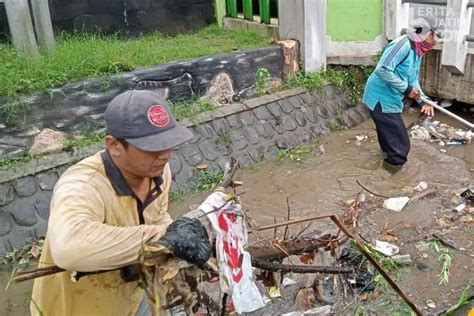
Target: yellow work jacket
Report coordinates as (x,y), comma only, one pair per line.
(97,223)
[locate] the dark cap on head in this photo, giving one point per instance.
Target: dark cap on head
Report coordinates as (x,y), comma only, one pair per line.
(144,120)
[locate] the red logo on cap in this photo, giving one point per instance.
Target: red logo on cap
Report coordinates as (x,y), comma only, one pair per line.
(158,116)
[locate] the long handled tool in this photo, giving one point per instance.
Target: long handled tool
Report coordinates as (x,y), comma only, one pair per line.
(441,109)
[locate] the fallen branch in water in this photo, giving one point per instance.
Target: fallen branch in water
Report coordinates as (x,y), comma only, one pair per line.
(423,194)
(376,194)
(278,267)
(265,252)
(292,247)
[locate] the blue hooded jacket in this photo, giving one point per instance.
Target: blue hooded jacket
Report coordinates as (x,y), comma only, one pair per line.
(396,74)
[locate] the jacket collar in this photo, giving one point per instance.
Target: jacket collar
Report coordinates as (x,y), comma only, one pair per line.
(115,177)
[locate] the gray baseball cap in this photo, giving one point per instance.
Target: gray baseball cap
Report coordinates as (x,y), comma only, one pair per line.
(144,120)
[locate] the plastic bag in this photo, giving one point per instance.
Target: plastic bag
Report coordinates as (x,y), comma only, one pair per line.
(235,265)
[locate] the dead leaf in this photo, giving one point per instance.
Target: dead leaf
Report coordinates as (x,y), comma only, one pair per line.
(430,303)
(202,166)
(236,183)
(171,273)
(468,219)
(364,296)
(374,296)
(389,236)
(35,250)
(307,258)
(441,223)
(305,299)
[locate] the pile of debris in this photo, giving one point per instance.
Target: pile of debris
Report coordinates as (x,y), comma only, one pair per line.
(441,133)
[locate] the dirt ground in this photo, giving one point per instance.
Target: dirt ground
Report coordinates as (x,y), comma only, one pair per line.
(322,184)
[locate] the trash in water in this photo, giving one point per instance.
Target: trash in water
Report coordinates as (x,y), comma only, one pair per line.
(419,132)
(422,186)
(364,280)
(323,310)
(422,266)
(468,195)
(429,129)
(386,248)
(464,199)
(322,150)
(396,204)
(274,292)
(430,303)
(287,282)
(402,259)
(456,143)
(360,139)
(445,134)
(459,208)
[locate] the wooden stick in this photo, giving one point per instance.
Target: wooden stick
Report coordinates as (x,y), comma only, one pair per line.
(425,193)
(362,248)
(278,267)
(295,221)
(379,195)
(287,218)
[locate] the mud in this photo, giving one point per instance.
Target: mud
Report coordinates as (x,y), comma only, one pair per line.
(322,184)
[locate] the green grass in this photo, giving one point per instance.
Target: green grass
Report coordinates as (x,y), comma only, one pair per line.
(85,141)
(175,195)
(261,80)
(185,109)
(445,258)
(298,154)
(7,161)
(350,79)
(79,56)
(205,180)
(189,109)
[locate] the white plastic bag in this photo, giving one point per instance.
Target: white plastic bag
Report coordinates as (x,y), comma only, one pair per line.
(396,204)
(235,264)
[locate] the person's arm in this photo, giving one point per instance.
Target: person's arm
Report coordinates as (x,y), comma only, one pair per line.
(425,108)
(79,239)
(386,68)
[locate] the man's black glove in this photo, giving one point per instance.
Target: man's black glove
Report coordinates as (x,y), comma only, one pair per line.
(188,239)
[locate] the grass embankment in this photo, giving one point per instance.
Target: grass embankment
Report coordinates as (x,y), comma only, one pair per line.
(79,56)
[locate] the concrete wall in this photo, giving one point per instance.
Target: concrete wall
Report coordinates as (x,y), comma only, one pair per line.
(131,16)
(249,131)
(438,81)
(359,20)
(354,31)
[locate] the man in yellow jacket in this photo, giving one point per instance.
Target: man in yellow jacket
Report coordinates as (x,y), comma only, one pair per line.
(106,206)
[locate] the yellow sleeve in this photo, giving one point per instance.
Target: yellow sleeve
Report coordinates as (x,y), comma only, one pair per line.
(79,238)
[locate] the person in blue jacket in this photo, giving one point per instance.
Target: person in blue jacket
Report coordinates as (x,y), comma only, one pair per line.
(395,77)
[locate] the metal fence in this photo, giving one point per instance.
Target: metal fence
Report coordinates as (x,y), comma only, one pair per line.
(265,9)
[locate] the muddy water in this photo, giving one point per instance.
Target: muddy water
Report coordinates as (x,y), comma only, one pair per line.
(323,183)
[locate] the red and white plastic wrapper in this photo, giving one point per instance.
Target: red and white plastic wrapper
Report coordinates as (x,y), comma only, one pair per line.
(235,264)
